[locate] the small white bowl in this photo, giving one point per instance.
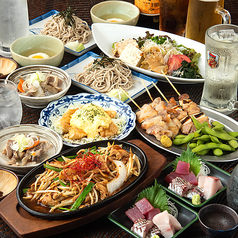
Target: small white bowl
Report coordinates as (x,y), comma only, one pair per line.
(117,12)
(40,102)
(46,134)
(22,47)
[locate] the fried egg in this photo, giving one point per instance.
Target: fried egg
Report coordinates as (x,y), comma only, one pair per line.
(39,55)
(114,20)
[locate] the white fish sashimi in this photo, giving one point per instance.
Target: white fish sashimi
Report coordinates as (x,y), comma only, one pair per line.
(117,182)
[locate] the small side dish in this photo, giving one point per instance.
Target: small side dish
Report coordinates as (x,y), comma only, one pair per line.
(25,149)
(73,182)
(7,65)
(40,84)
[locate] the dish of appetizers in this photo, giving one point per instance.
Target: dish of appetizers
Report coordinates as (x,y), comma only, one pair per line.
(83,118)
(173,124)
(153,213)
(78,45)
(193,180)
(81,179)
(152,52)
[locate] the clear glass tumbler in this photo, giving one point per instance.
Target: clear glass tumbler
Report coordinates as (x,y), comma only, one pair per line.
(10,104)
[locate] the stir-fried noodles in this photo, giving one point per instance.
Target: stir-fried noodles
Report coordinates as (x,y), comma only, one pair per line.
(106,74)
(102,172)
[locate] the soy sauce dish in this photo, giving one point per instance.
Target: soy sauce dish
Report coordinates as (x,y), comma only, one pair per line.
(41,211)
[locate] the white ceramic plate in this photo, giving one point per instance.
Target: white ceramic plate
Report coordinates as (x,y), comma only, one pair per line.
(44,133)
(56,109)
(106,34)
(230,125)
(77,66)
(37,24)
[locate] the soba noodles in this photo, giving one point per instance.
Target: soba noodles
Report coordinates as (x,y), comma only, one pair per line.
(106,74)
(56,27)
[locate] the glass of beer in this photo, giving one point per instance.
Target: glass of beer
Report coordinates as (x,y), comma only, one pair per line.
(173,15)
(203,14)
(221,68)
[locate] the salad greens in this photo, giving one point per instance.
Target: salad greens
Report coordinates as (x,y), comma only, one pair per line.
(191,158)
(156,196)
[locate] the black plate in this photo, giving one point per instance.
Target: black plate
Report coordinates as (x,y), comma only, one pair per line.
(214,171)
(186,217)
(30,177)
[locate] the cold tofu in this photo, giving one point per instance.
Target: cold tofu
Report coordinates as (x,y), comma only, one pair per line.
(166,223)
(210,185)
(131,55)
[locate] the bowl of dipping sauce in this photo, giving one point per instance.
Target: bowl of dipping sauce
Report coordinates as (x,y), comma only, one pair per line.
(117,12)
(218,220)
(37,50)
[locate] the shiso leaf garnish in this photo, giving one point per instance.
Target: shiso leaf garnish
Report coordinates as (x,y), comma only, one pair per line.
(156,196)
(191,158)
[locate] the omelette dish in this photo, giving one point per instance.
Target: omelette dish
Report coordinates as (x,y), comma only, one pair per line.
(89,122)
(73,182)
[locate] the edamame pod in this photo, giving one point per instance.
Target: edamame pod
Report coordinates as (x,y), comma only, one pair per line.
(217,125)
(186,139)
(233,143)
(221,134)
(217,152)
(233,133)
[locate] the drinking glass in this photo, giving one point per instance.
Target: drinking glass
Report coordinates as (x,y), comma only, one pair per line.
(221,68)
(203,14)
(14,23)
(10,104)
(173,15)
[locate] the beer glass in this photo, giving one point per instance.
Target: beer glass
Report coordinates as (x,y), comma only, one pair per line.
(173,15)
(203,14)
(10,104)
(221,68)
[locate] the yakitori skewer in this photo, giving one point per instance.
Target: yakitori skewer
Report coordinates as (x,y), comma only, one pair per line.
(171,83)
(160,92)
(130,98)
(147,90)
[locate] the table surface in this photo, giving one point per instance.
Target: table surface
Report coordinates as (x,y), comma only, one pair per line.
(103,227)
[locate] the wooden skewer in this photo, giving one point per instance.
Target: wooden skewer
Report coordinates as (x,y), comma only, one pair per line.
(130,98)
(160,92)
(147,90)
(170,83)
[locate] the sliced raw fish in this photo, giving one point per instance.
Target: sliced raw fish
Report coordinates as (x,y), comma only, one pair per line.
(175,223)
(149,215)
(180,186)
(193,191)
(210,185)
(182,167)
(154,230)
(134,214)
(190,177)
(141,227)
(144,206)
(166,224)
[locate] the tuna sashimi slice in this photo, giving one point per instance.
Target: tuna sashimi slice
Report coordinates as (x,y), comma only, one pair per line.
(149,215)
(190,177)
(141,227)
(210,185)
(182,167)
(166,224)
(134,214)
(144,206)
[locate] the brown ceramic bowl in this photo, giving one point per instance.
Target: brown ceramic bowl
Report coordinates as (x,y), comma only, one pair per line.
(218,220)
(7,66)
(8,182)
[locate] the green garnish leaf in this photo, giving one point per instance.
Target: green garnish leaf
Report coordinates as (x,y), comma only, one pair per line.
(68,16)
(25,190)
(156,196)
(191,158)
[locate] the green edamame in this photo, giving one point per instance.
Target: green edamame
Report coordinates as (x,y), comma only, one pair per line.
(186,139)
(217,125)
(233,133)
(217,152)
(233,143)
(203,138)
(221,134)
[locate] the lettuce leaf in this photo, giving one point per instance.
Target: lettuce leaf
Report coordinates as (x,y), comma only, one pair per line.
(156,196)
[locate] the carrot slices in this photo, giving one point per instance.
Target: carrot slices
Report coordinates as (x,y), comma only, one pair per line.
(19,86)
